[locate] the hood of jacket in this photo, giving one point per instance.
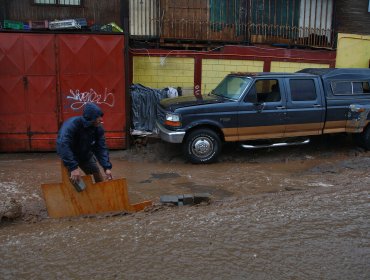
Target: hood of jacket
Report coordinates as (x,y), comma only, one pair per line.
(90,113)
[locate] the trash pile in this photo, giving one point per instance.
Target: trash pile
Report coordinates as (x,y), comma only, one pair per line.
(144,101)
(64,24)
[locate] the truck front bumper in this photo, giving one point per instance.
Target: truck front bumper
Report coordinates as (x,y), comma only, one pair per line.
(169,135)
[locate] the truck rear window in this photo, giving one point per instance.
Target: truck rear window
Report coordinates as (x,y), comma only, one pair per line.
(303,89)
(350,87)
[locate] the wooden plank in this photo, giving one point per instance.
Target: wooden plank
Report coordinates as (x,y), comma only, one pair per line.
(62,200)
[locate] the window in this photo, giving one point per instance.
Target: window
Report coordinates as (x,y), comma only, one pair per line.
(349,88)
(303,90)
(58,2)
(360,87)
(267,91)
(231,87)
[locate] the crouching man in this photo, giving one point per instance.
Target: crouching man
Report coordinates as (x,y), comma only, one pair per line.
(81,143)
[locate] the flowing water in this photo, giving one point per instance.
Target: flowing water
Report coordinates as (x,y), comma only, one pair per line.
(293,213)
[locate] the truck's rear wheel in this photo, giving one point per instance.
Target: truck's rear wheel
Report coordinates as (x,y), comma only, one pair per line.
(202,146)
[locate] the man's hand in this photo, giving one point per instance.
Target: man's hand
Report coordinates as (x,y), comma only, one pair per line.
(75,175)
(108,174)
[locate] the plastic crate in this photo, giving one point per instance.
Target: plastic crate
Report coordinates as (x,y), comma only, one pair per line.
(82,22)
(38,24)
(11,24)
(64,24)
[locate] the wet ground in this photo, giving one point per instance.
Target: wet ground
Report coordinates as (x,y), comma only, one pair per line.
(286,213)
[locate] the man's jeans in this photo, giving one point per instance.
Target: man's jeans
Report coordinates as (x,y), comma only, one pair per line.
(91,168)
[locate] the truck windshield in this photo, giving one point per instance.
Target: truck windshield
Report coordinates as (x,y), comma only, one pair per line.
(231,87)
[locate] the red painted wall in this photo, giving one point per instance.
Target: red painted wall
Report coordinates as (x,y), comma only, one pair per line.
(47,78)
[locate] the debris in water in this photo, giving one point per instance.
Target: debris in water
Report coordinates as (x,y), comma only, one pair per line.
(186,199)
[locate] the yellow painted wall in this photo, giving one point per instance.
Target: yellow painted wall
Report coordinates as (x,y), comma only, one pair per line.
(214,70)
(353,51)
(161,72)
(290,67)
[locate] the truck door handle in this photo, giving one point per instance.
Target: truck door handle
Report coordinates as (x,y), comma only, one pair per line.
(316,105)
(280,107)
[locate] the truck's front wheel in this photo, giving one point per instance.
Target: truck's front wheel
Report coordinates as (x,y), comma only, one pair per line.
(202,146)
(363,139)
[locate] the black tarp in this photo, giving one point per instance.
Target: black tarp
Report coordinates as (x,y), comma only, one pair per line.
(144,102)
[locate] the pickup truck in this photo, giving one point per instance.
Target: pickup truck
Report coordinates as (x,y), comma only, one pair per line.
(268,110)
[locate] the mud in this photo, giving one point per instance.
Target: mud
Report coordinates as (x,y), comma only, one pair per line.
(285,213)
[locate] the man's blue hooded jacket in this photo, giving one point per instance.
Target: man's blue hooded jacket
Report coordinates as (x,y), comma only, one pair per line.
(78,139)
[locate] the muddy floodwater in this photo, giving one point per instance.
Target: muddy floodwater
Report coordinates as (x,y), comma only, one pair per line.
(288,213)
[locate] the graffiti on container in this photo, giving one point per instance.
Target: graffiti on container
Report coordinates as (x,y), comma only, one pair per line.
(79,99)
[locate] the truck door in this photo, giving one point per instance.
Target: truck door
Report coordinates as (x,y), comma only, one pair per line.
(262,113)
(305,107)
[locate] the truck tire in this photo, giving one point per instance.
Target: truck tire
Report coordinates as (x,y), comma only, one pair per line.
(358,139)
(363,139)
(202,146)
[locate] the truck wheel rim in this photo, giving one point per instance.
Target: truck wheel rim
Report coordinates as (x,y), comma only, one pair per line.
(202,147)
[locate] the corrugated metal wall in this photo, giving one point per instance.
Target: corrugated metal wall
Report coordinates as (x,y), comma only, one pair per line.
(315,23)
(144,18)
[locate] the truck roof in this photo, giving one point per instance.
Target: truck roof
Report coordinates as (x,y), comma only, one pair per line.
(325,73)
(270,74)
(338,73)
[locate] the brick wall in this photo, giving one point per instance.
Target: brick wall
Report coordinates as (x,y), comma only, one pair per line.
(161,72)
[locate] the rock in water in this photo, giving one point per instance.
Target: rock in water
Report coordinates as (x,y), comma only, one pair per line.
(10,209)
